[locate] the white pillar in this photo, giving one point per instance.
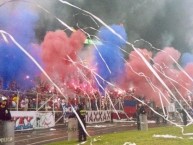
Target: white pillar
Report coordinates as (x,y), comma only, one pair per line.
(143,122)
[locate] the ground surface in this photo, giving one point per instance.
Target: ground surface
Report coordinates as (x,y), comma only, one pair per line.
(59,133)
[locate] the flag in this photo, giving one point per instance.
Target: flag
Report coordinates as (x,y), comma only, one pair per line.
(130,107)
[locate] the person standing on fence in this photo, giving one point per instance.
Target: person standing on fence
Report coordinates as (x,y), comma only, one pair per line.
(81,113)
(5,114)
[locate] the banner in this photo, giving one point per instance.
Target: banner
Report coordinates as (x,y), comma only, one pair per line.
(98,116)
(24,120)
(28,120)
(45,119)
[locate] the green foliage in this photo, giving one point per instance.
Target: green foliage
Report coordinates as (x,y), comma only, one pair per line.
(138,137)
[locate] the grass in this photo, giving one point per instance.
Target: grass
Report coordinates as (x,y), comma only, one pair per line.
(139,137)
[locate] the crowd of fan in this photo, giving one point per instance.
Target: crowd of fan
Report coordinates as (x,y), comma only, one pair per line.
(49,102)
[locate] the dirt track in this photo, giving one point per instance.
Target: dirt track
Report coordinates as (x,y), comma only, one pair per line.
(59,133)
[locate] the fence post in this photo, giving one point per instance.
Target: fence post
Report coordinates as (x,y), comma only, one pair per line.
(72,128)
(143,122)
(7,129)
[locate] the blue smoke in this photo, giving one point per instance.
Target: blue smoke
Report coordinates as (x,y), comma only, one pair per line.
(112,55)
(186,58)
(19,20)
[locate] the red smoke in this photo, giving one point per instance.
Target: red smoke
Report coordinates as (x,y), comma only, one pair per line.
(136,69)
(58,52)
(141,78)
(163,58)
(184,80)
(139,75)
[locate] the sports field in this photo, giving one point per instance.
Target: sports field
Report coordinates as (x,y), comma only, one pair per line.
(169,135)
